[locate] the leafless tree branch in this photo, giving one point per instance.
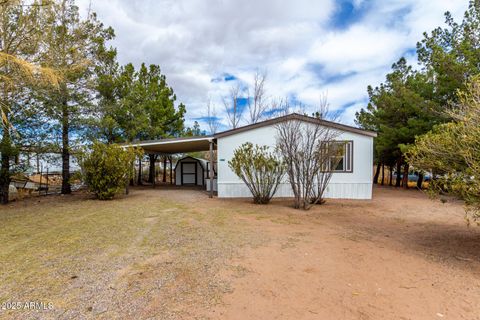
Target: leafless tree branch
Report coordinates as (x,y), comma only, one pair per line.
(234,112)
(307,150)
(212,119)
(257,106)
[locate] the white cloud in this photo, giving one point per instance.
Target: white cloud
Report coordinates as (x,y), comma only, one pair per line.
(357,49)
(195,41)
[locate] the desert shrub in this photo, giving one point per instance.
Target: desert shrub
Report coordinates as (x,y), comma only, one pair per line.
(261,170)
(107,169)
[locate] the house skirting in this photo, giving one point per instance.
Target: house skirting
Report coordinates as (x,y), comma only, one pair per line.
(334,190)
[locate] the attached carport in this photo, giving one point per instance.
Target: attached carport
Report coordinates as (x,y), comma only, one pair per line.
(181,145)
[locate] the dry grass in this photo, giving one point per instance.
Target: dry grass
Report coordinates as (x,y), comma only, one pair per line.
(167,253)
(137,257)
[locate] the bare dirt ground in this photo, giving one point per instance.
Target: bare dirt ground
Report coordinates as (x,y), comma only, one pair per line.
(400,256)
(176,254)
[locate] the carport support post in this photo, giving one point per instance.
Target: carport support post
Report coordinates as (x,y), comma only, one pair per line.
(155,172)
(211,169)
(171,167)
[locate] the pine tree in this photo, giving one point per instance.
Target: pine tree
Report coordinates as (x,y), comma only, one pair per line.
(399,110)
(21,28)
(75,46)
(138,105)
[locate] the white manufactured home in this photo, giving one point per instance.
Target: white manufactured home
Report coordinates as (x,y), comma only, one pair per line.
(352,177)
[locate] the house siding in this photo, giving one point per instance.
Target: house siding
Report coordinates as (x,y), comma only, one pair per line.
(343,185)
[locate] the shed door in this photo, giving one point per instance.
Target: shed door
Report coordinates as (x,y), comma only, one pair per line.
(189,173)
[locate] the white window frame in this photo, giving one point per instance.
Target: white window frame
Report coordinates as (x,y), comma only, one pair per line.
(347,157)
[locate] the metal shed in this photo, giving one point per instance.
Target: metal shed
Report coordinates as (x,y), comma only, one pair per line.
(190,171)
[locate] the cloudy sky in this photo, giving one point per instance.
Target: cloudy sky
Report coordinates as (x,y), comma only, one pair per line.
(307,47)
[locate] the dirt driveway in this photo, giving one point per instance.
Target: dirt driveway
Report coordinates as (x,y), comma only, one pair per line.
(176,254)
(400,256)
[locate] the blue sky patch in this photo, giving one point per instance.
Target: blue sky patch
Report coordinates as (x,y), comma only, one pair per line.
(206,119)
(229,77)
(347,14)
(224,77)
(332,78)
(242,102)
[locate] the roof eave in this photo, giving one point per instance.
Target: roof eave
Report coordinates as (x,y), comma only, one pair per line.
(166,141)
(296,116)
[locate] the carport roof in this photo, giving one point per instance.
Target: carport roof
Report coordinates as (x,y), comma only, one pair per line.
(175,145)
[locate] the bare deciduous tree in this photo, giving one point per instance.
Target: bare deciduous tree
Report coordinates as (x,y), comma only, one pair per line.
(234,111)
(310,153)
(212,119)
(257,105)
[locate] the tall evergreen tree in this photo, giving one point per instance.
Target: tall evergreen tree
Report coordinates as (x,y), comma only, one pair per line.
(451,55)
(138,105)
(163,120)
(410,103)
(398,111)
(21,27)
(75,46)
(158,102)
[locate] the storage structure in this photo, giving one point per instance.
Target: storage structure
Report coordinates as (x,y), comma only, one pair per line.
(190,171)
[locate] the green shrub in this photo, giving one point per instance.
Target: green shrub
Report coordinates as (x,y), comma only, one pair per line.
(107,169)
(261,170)
(452,152)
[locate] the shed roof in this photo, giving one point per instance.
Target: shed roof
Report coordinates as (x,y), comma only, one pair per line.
(202,162)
